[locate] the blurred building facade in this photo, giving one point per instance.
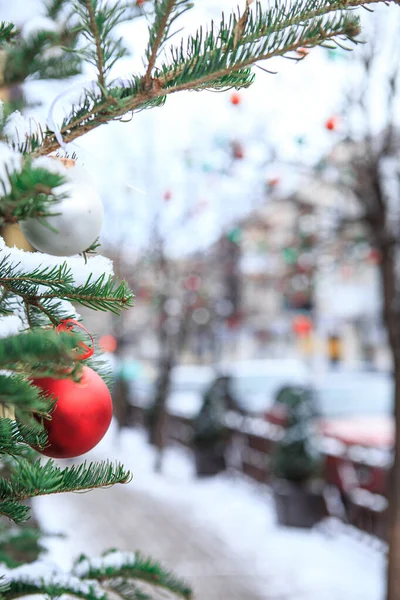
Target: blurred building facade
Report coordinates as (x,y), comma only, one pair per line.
(295,277)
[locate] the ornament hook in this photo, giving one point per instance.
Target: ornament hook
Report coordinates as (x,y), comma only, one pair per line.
(68,325)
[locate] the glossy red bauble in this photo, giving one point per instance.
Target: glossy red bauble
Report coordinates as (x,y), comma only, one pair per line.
(81,416)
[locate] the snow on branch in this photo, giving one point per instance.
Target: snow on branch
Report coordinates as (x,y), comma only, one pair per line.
(24,262)
(44,577)
(111,561)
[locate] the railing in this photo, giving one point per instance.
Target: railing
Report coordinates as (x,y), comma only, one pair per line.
(358,474)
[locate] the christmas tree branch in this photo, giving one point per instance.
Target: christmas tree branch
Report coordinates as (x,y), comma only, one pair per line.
(191,72)
(115,574)
(33,287)
(38,353)
(32,480)
(97,42)
(103,294)
(45,345)
(218,59)
(52,585)
(14,437)
(166,11)
(128,590)
(30,192)
(281,17)
(18,544)
(17,392)
(54,7)
(7,33)
(98,20)
(28,57)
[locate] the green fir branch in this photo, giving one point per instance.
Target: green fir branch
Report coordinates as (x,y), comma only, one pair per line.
(4,586)
(16,512)
(97,21)
(45,345)
(38,353)
(19,545)
(38,55)
(218,58)
(54,8)
(148,570)
(32,480)
(29,192)
(28,402)
(129,567)
(53,585)
(88,581)
(165,13)
(17,392)
(94,30)
(7,33)
(206,59)
(14,436)
(128,589)
(31,141)
(103,293)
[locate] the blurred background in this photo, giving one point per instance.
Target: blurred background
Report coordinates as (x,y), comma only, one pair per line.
(253,384)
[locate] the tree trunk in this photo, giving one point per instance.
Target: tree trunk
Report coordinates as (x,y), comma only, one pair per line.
(158,430)
(391,317)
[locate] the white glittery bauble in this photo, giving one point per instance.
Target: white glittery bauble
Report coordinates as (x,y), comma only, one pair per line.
(79,223)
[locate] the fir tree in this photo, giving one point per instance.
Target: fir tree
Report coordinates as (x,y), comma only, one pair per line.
(217,57)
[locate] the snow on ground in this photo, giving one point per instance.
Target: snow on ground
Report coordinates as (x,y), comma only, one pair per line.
(287,564)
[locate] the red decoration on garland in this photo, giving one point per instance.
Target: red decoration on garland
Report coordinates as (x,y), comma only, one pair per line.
(374,256)
(192,283)
(81,415)
(108,343)
(331,124)
(234,320)
(302,325)
(167,195)
(237,150)
(235,99)
(68,325)
(273,182)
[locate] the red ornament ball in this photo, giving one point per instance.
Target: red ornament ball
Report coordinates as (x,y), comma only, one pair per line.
(81,416)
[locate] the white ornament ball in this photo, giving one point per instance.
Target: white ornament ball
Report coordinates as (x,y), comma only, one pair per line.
(81,215)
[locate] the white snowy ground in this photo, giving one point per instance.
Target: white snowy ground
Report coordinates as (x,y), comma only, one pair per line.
(287,564)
